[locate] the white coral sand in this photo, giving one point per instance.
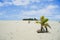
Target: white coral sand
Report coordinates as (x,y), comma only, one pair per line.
(21,30)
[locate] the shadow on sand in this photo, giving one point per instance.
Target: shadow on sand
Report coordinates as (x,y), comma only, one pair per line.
(38,31)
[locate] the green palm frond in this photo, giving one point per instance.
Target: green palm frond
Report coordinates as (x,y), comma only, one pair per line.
(47,25)
(44,21)
(37,22)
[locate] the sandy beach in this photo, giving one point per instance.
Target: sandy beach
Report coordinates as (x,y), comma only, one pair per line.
(21,30)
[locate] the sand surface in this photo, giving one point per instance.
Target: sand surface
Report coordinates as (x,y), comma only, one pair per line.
(21,30)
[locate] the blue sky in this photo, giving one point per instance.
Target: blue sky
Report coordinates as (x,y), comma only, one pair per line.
(19,9)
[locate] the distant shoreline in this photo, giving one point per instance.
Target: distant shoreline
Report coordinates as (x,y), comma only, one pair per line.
(22,20)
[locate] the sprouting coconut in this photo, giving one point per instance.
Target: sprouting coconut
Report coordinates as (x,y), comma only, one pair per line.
(43,21)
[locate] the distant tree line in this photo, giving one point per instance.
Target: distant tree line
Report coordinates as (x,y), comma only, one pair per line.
(31,19)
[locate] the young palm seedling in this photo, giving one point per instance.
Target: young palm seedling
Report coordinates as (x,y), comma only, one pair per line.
(43,21)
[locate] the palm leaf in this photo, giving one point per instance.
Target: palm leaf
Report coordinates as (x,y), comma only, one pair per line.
(44,21)
(47,25)
(37,22)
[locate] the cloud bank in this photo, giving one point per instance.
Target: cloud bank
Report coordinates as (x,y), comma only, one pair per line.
(18,9)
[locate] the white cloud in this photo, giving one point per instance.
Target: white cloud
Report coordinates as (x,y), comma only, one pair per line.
(29,12)
(15,2)
(57,16)
(45,11)
(48,0)
(26,2)
(1,14)
(35,0)
(52,6)
(1,4)
(5,3)
(21,2)
(33,7)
